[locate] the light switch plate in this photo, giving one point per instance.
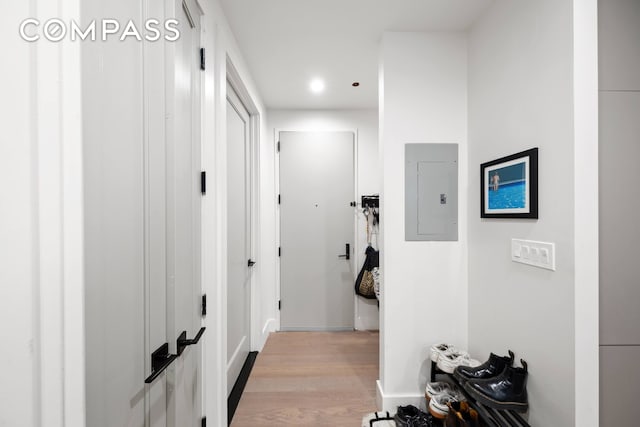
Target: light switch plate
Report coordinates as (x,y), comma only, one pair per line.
(537,254)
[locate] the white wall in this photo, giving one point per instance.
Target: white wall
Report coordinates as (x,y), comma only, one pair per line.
(365,123)
(220,44)
(521,95)
(41,225)
(423,99)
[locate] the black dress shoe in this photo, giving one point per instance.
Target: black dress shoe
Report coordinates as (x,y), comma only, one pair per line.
(505,391)
(491,368)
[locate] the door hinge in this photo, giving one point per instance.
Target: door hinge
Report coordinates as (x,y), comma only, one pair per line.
(278,199)
(204,422)
(203,182)
(202,64)
(280,251)
(278,146)
(204,305)
(279,304)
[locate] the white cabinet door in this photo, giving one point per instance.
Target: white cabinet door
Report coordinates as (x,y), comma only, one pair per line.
(183,218)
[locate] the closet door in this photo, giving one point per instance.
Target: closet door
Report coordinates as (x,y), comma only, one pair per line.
(183,218)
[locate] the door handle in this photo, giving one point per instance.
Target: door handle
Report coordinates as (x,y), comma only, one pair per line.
(347,252)
(251,263)
(160,360)
(183,342)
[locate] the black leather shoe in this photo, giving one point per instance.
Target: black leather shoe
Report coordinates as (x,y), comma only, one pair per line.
(505,391)
(489,369)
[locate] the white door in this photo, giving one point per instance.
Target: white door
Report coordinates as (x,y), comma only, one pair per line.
(238,237)
(183,220)
(316,227)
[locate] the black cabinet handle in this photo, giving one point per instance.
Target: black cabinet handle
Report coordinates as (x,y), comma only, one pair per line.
(347,252)
(251,263)
(183,342)
(160,360)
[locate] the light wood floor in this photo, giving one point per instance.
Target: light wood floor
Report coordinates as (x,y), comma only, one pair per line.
(311,379)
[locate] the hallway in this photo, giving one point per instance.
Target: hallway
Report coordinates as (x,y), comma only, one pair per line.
(311,379)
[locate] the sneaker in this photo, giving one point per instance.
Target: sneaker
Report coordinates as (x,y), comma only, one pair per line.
(438,405)
(450,361)
(441,387)
(440,349)
(406,414)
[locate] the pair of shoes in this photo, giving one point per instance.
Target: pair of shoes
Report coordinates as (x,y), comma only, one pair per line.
(439,395)
(462,415)
(491,368)
(497,388)
(410,416)
(438,350)
(448,358)
(441,387)
(449,361)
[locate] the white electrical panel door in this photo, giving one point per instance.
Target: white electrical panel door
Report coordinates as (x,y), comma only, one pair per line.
(431,192)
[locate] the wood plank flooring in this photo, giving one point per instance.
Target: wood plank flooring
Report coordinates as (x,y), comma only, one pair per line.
(311,379)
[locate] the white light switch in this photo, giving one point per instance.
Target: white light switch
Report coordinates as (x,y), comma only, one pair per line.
(537,254)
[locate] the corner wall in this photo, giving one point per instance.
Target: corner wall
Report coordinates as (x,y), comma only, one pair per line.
(365,122)
(522,95)
(423,99)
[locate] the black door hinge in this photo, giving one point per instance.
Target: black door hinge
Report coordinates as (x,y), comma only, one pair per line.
(280,251)
(278,199)
(279,305)
(202,64)
(203,182)
(278,146)
(204,422)
(204,305)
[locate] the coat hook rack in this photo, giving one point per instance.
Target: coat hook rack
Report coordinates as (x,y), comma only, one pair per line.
(372,201)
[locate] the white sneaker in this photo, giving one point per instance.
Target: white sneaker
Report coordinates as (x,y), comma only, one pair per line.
(438,404)
(441,387)
(439,349)
(450,361)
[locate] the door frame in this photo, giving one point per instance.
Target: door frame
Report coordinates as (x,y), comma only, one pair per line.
(356,245)
(235,81)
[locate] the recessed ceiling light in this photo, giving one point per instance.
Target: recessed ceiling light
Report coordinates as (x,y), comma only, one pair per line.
(316,86)
(355,84)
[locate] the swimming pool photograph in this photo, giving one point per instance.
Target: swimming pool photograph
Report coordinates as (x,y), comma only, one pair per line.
(509,186)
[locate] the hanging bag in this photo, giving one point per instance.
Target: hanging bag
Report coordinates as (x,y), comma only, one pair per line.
(364,282)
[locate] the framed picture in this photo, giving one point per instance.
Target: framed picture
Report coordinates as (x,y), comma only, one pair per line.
(509,186)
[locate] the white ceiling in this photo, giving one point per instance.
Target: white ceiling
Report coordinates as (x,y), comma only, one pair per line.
(286,43)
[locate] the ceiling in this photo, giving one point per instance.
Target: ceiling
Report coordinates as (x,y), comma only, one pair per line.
(287,43)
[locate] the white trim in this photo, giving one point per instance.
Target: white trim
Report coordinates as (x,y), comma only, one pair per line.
(586,227)
(269,326)
(390,402)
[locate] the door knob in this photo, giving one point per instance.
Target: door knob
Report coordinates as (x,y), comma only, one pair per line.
(347,252)
(251,263)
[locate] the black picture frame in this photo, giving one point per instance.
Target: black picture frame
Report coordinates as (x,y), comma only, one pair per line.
(514,193)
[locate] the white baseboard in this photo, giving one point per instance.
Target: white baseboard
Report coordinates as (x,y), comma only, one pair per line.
(390,402)
(271,325)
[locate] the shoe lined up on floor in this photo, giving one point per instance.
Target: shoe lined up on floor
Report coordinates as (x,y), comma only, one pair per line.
(439,395)
(507,390)
(491,368)
(450,361)
(495,383)
(441,387)
(410,416)
(440,349)
(462,415)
